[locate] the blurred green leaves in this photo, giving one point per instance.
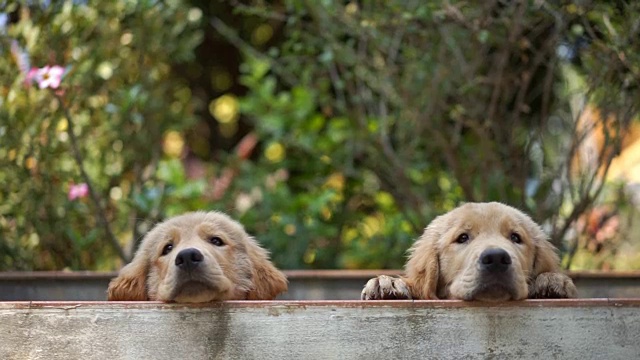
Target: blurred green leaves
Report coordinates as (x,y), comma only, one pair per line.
(420,107)
(123,97)
(369,119)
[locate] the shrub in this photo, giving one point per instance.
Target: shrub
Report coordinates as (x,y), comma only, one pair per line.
(103,126)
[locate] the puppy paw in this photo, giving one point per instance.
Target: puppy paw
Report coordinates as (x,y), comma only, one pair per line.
(552,286)
(385,288)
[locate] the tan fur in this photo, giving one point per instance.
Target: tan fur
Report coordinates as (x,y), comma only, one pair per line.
(131,283)
(422,268)
(239,269)
(267,280)
(440,268)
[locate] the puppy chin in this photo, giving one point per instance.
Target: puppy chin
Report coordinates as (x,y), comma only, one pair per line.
(197,290)
(194,292)
(489,288)
(495,293)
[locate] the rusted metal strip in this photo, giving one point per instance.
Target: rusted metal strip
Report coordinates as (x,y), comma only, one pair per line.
(553,303)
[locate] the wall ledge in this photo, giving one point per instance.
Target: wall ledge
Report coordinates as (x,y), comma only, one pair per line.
(569,329)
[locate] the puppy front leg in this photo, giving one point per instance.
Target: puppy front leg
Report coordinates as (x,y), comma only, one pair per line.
(386,287)
(552,285)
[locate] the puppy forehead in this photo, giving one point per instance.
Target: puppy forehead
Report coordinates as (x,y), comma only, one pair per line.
(197,224)
(483,217)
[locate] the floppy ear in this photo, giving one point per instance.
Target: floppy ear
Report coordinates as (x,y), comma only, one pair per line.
(545,257)
(267,281)
(130,285)
(423,268)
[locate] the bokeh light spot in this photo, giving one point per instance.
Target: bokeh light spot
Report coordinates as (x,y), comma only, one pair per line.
(274,152)
(115,193)
(261,34)
(30,162)
(225,109)
(105,70)
(126,39)
(290,229)
(173,144)
(117,145)
(194,14)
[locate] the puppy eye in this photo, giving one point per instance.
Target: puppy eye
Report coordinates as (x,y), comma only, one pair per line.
(215,240)
(515,237)
(463,238)
(167,249)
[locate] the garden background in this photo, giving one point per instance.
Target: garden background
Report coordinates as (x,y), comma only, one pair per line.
(333,130)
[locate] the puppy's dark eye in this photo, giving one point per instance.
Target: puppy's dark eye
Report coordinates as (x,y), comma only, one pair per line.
(167,249)
(463,238)
(515,237)
(215,240)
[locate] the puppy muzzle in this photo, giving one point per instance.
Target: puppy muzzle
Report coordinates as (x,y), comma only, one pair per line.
(496,278)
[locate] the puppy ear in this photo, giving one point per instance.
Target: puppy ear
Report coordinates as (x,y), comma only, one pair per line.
(546,257)
(267,281)
(130,285)
(423,268)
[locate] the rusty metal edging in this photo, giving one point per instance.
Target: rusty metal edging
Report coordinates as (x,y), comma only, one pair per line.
(303,304)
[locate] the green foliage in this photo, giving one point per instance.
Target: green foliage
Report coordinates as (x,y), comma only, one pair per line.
(311,211)
(121,97)
(428,105)
(371,119)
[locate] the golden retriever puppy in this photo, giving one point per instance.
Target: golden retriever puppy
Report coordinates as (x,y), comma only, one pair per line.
(478,251)
(198,257)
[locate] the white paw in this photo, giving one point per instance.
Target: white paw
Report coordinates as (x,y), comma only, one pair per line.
(385,288)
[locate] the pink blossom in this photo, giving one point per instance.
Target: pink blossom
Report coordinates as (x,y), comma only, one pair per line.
(77,191)
(49,76)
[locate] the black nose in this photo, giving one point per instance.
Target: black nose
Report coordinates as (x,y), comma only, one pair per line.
(495,260)
(188,259)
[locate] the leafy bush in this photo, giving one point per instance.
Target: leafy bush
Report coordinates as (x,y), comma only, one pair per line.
(359,122)
(416,107)
(118,99)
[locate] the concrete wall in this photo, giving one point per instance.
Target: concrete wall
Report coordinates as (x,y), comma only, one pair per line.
(533,329)
(303,285)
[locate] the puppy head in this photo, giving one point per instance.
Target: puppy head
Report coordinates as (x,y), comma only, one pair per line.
(198,257)
(479,251)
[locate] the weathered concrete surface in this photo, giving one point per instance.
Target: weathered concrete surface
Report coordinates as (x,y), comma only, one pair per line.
(540,329)
(303,285)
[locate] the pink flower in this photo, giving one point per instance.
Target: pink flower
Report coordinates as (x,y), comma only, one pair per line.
(77,191)
(49,76)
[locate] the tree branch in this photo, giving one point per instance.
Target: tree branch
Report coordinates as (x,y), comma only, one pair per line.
(102,217)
